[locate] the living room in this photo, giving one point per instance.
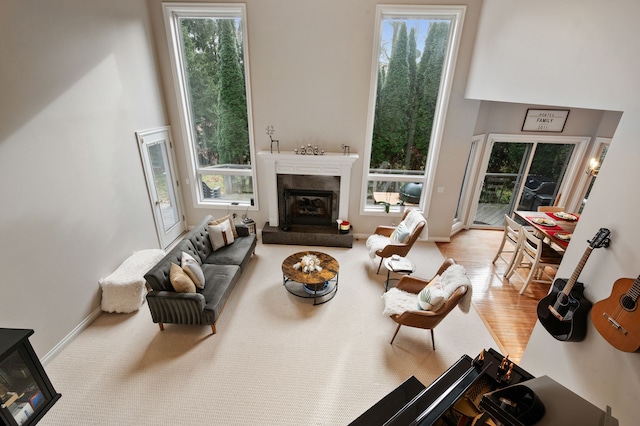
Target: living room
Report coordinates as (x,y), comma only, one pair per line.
(80,78)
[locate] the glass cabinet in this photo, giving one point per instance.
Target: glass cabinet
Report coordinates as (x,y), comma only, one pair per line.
(26,393)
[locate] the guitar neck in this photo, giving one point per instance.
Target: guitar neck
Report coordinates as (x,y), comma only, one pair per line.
(574,277)
(634,291)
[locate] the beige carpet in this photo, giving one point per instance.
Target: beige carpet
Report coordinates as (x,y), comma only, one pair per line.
(276,359)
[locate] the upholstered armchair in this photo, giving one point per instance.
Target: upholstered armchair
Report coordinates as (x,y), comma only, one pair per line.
(398,240)
(459,286)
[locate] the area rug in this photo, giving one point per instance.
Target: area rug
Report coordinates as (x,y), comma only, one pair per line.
(275,360)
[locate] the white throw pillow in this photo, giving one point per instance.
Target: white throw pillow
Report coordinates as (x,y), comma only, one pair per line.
(231,223)
(220,235)
(192,267)
(432,297)
(400,234)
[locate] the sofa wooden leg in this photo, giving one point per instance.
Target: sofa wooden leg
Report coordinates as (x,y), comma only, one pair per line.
(213,328)
(394,334)
(161,325)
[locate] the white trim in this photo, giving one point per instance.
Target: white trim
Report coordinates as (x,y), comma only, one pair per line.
(467,208)
(69,337)
(329,164)
(573,168)
(583,183)
(146,138)
(171,12)
(456,14)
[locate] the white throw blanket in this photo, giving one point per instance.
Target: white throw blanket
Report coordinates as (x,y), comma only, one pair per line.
(399,301)
(377,242)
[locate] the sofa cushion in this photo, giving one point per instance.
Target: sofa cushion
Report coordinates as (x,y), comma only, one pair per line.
(231,224)
(180,280)
(237,253)
(192,267)
(220,235)
(221,280)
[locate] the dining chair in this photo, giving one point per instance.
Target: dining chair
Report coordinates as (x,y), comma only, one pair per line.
(551,209)
(534,255)
(510,236)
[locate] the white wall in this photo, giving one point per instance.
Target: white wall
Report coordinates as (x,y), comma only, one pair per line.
(77,80)
(577,53)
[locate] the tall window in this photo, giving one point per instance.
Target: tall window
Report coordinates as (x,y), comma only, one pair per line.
(208,50)
(411,79)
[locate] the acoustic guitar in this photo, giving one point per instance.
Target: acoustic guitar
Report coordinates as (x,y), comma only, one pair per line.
(563,312)
(617,318)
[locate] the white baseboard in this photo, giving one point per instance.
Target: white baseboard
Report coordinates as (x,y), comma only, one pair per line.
(69,337)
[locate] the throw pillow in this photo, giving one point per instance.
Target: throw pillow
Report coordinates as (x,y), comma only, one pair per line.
(192,267)
(400,234)
(227,218)
(180,280)
(432,297)
(221,235)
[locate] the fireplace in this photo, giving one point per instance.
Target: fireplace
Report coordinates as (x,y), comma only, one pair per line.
(307,199)
(312,212)
(307,207)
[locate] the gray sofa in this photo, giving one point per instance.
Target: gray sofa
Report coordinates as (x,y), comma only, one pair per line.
(222,269)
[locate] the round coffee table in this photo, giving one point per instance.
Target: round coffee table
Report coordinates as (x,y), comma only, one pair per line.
(321,286)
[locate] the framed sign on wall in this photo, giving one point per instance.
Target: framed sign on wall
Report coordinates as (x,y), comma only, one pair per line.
(545,120)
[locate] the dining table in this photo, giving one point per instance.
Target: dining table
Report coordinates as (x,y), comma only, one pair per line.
(556,226)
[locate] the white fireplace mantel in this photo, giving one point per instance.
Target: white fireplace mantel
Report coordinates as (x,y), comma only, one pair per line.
(290,163)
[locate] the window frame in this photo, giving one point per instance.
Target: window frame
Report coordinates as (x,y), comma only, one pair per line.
(456,15)
(172,12)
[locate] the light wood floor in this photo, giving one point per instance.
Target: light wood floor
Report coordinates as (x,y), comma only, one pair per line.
(509,316)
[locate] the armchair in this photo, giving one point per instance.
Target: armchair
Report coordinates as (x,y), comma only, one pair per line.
(430,319)
(389,240)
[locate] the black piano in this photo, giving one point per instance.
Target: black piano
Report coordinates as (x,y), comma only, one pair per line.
(467,394)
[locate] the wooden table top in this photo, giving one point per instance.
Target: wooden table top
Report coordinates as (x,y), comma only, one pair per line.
(328,263)
(561,226)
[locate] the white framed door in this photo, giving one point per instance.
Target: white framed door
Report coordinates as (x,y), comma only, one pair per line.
(156,151)
(508,165)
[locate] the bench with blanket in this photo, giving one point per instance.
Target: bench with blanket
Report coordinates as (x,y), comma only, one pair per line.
(193,282)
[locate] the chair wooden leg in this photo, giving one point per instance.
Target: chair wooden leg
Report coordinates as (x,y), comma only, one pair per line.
(161,326)
(379,265)
(213,328)
(394,334)
(433,341)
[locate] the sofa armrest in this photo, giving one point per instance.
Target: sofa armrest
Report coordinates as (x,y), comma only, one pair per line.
(172,307)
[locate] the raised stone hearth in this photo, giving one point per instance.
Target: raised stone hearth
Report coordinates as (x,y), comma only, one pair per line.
(308,235)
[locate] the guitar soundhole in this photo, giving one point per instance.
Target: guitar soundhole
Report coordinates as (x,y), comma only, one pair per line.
(563,299)
(628,303)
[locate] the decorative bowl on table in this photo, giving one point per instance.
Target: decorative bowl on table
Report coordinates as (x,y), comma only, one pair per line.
(565,216)
(563,236)
(543,221)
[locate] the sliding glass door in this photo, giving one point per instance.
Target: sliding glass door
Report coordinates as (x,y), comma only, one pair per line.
(522,173)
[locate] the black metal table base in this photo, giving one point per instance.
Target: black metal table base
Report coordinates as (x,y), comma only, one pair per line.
(306,291)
